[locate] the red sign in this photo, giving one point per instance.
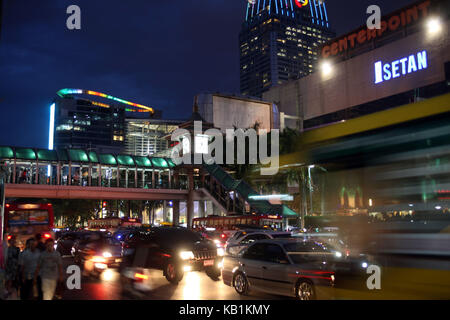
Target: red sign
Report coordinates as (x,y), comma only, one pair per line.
(391,23)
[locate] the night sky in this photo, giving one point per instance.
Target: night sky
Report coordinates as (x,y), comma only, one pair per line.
(156,53)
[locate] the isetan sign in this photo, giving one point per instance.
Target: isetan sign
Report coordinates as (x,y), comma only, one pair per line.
(400,67)
(392,23)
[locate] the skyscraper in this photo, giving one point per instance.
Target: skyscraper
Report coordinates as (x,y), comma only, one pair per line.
(279,41)
(85,119)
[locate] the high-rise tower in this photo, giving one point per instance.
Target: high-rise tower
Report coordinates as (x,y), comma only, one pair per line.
(279,41)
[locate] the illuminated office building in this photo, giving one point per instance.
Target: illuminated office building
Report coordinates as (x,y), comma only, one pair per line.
(280,41)
(84,119)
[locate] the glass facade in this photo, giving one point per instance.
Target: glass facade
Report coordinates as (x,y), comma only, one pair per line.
(147,137)
(279,43)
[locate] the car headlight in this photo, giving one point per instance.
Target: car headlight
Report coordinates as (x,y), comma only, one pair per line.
(107,254)
(364,265)
(338,254)
(220,252)
(186,255)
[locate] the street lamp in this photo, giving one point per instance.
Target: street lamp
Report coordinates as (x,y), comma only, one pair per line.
(434,26)
(327,68)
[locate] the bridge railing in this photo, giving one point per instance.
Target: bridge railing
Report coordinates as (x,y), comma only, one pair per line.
(156,174)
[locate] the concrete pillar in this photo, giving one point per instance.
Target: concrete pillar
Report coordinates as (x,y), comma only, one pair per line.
(176,213)
(201,209)
(216,210)
(209,208)
(165,216)
(190,202)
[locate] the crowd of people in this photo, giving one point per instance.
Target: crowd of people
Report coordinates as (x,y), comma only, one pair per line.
(32,274)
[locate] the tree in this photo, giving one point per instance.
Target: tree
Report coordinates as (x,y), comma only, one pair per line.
(75,212)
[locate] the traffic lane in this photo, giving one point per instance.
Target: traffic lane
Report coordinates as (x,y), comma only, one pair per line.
(193,286)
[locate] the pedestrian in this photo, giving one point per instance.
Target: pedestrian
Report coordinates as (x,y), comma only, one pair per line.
(23,176)
(50,269)
(12,268)
(40,244)
(28,261)
(3,253)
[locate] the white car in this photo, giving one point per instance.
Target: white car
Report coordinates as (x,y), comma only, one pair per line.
(243,239)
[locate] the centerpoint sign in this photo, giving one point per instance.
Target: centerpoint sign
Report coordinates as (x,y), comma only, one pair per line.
(401,67)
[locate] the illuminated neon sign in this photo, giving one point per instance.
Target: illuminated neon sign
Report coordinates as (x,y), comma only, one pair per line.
(65,92)
(301,3)
(401,67)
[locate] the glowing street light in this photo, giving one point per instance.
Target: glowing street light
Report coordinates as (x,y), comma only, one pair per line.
(326,68)
(434,26)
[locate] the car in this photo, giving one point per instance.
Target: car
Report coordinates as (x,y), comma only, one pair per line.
(302,269)
(174,250)
(244,238)
(65,242)
(98,252)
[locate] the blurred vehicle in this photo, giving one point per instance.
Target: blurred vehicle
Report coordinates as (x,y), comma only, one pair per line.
(65,242)
(302,269)
(83,238)
(98,252)
(123,232)
(174,250)
(244,238)
(219,238)
(113,224)
(230,224)
(25,220)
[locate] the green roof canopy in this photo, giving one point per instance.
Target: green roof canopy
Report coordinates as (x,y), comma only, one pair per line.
(6,152)
(26,154)
(78,155)
(171,163)
(93,157)
(143,162)
(160,163)
(47,155)
(288,212)
(108,159)
(125,160)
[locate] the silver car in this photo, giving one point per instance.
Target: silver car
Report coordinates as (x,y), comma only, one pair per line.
(290,267)
(236,245)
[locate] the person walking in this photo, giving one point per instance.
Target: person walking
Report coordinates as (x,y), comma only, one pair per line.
(3,253)
(28,261)
(40,244)
(50,269)
(12,269)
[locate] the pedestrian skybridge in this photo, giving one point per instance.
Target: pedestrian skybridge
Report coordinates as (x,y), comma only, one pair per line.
(75,167)
(82,174)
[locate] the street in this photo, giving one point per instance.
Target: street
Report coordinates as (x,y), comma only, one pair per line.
(194,286)
(403,278)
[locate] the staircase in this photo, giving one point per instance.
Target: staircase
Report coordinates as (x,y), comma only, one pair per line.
(233,196)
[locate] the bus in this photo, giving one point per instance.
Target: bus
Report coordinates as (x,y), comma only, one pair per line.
(113,224)
(25,220)
(229,224)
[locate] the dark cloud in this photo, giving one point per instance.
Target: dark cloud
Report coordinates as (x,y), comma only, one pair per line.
(157,53)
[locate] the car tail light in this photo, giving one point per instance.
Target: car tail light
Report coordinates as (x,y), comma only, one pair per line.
(47,235)
(9,237)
